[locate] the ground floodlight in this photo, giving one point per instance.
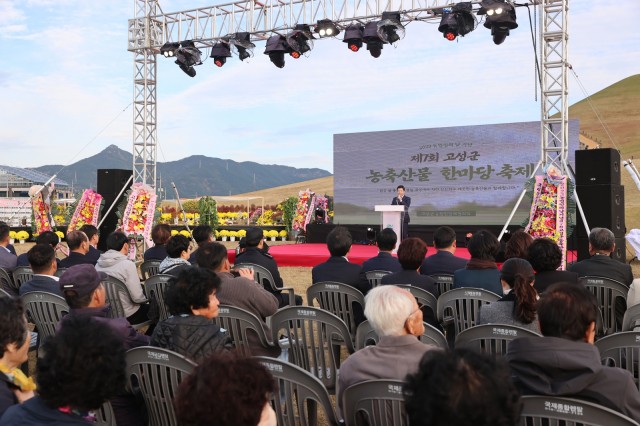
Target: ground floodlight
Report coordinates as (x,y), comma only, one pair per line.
(353,37)
(390,30)
(299,40)
(457,20)
(169,49)
(276,48)
(372,39)
(220,52)
(241,42)
(326,28)
(501,17)
(187,56)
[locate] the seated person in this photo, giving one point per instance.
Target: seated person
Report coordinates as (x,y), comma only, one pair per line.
(518,305)
(94,238)
(160,234)
(46,237)
(397,319)
(42,258)
(410,255)
(565,362)
(201,234)
(177,256)
(226,391)
(386,241)
(8,260)
(192,302)
(444,261)
(518,245)
(15,387)
(461,388)
(481,271)
(78,369)
(78,244)
(338,268)
(546,257)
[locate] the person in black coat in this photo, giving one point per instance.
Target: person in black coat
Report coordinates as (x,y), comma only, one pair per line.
(46,237)
(42,259)
(386,241)
(94,237)
(443,261)
(78,244)
(545,257)
(402,200)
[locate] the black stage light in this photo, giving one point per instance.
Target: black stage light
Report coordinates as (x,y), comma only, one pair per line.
(353,37)
(276,48)
(299,40)
(501,17)
(242,43)
(169,49)
(372,39)
(187,56)
(327,28)
(220,52)
(457,20)
(390,30)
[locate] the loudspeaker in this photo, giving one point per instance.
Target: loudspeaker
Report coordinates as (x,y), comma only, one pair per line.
(110,183)
(597,166)
(603,206)
(620,253)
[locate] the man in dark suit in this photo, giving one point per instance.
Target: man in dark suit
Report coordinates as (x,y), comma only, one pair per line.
(94,237)
(444,260)
(46,237)
(42,258)
(78,244)
(402,200)
(386,241)
(602,243)
(8,260)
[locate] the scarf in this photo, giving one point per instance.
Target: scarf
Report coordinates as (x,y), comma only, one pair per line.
(171,262)
(481,264)
(18,378)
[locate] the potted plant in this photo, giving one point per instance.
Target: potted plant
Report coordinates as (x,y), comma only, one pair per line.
(288,207)
(273,234)
(22,236)
(224,234)
(12,237)
(283,234)
(233,235)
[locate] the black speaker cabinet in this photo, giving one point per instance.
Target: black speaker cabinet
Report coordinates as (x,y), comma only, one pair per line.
(603,206)
(110,183)
(620,253)
(598,167)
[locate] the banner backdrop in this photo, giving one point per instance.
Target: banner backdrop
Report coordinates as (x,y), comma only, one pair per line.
(454,175)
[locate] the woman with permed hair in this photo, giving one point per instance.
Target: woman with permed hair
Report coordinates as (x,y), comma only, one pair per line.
(192,302)
(226,390)
(160,234)
(481,271)
(546,257)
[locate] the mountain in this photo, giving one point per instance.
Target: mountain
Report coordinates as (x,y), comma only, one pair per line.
(194,176)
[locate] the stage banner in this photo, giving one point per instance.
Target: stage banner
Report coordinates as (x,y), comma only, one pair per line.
(454,175)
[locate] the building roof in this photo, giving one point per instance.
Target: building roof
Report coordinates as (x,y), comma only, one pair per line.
(33,175)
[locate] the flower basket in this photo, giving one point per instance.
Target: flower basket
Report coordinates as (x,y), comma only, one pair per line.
(87,210)
(137,219)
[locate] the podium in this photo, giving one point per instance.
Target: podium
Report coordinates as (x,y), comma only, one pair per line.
(391,217)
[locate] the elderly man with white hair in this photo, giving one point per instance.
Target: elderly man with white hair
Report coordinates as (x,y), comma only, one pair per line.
(397,319)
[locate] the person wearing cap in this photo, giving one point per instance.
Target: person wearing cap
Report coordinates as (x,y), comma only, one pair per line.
(42,259)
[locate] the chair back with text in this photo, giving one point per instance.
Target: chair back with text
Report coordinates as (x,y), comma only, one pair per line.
(155,287)
(239,323)
(45,310)
(491,339)
(21,275)
(339,299)
(374,277)
(263,277)
(299,395)
(375,403)
(149,268)
(621,350)
(462,306)
(608,292)
(444,282)
(156,374)
(554,411)
(366,336)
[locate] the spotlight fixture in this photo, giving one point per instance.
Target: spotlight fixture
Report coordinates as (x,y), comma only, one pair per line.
(457,21)
(242,43)
(353,37)
(299,40)
(372,39)
(220,52)
(169,49)
(276,48)
(327,28)
(187,56)
(501,17)
(390,30)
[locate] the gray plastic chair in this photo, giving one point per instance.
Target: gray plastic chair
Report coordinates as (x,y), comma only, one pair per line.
(263,277)
(240,323)
(312,334)
(553,411)
(462,306)
(621,350)
(155,288)
(339,299)
(105,415)
(375,403)
(366,336)
(115,291)
(422,296)
(45,310)
(5,293)
(631,318)
(300,393)
(444,282)
(60,271)
(491,339)
(607,291)
(7,283)
(374,277)
(149,268)
(156,373)
(21,275)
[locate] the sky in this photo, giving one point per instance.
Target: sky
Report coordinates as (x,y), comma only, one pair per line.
(66,85)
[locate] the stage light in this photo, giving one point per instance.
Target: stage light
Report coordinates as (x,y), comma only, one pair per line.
(327,28)
(353,37)
(187,56)
(372,39)
(220,52)
(501,17)
(457,20)
(241,42)
(169,49)
(276,48)
(390,30)
(299,40)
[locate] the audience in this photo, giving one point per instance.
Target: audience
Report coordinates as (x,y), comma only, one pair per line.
(46,237)
(8,260)
(10,247)
(546,257)
(177,256)
(78,369)
(386,241)
(192,302)
(444,261)
(15,387)
(518,305)
(481,271)
(602,243)
(42,258)
(461,388)
(411,253)
(565,362)
(78,244)
(94,238)
(160,234)
(518,245)
(202,234)
(226,391)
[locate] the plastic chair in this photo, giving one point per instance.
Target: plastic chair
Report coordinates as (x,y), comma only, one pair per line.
(375,403)
(607,291)
(155,288)
(374,277)
(60,271)
(21,275)
(156,373)
(299,395)
(621,350)
(5,293)
(264,278)
(149,268)
(45,310)
(339,299)
(463,305)
(312,334)
(7,283)
(366,336)
(105,415)
(115,291)
(444,282)
(553,411)
(239,323)
(422,296)
(491,339)
(631,318)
